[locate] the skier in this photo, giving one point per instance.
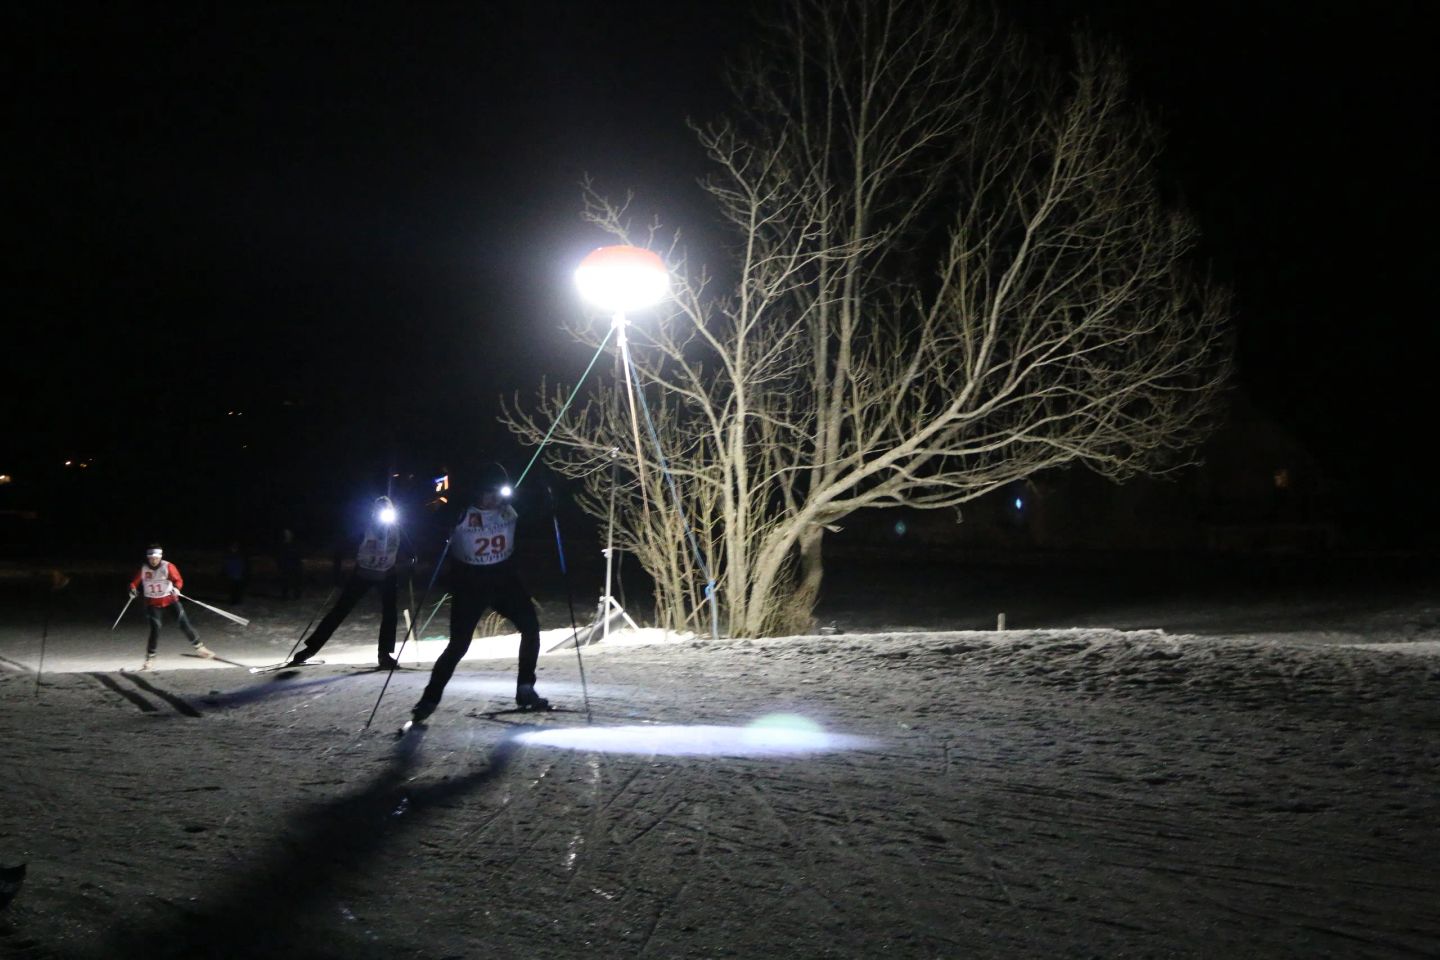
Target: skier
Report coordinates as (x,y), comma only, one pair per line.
(374,566)
(483,576)
(162,583)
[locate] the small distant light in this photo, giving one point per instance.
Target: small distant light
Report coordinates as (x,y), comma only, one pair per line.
(69,463)
(505,490)
(6,478)
(1019,504)
(442,483)
(900,528)
(387,515)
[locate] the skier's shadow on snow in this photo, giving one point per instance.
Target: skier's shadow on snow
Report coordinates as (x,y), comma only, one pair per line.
(261,908)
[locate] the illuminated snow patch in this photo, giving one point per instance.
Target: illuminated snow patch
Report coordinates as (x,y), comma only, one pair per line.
(764,738)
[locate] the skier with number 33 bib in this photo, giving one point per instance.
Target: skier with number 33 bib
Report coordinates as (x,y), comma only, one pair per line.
(483,576)
(160,581)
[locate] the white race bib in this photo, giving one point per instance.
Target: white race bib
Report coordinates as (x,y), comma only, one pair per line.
(156,582)
(379,550)
(484,537)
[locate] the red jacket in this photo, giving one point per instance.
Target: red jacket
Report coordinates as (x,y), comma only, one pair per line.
(165,571)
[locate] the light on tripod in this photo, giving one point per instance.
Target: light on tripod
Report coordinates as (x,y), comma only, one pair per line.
(619,279)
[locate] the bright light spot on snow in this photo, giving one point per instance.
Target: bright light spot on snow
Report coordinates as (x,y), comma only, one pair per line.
(787,721)
(764,738)
(387,515)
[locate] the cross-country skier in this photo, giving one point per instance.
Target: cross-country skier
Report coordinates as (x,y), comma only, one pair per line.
(160,581)
(483,576)
(374,566)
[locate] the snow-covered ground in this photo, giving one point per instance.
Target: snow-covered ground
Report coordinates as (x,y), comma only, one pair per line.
(1094,782)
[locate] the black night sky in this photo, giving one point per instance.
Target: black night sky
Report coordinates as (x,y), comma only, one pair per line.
(355,224)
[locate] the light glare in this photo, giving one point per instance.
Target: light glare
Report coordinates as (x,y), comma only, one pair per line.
(387,515)
(619,279)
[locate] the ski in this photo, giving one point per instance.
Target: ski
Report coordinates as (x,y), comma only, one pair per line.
(516,711)
(217,658)
(287,665)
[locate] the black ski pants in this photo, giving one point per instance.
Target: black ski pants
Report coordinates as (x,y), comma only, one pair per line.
(154,615)
(474,590)
(354,589)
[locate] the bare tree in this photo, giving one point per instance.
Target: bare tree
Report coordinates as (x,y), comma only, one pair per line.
(952,269)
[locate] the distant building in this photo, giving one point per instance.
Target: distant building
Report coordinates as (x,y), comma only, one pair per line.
(1257,489)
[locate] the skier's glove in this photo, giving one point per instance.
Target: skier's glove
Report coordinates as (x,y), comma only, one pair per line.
(134,593)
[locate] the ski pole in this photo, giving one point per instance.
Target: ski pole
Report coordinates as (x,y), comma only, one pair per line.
(410,620)
(439,562)
(228,616)
(424,626)
(294,646)
(569,599)
(122,613)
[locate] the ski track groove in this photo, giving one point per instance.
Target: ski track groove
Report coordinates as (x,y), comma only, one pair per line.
(670,903)
(180,705)
(109,683)
(797,880)
(585,839)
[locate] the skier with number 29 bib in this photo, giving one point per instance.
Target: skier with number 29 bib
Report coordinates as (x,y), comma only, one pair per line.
(483,576)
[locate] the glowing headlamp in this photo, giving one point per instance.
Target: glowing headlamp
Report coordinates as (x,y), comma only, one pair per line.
(505,491)
(387,515)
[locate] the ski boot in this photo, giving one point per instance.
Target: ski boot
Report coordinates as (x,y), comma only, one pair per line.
(388,662)
(148,665)
(418,715)
(528,699)
(301,656)
(203,651)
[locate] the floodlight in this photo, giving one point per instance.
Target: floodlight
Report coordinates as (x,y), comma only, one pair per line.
(619,279)
(387,515)
(505,490)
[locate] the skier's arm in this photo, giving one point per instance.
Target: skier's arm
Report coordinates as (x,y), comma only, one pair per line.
(175,578)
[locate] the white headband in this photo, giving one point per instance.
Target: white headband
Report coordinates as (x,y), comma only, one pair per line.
(154,553)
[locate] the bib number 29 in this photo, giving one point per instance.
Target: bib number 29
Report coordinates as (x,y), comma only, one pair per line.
(490,546)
